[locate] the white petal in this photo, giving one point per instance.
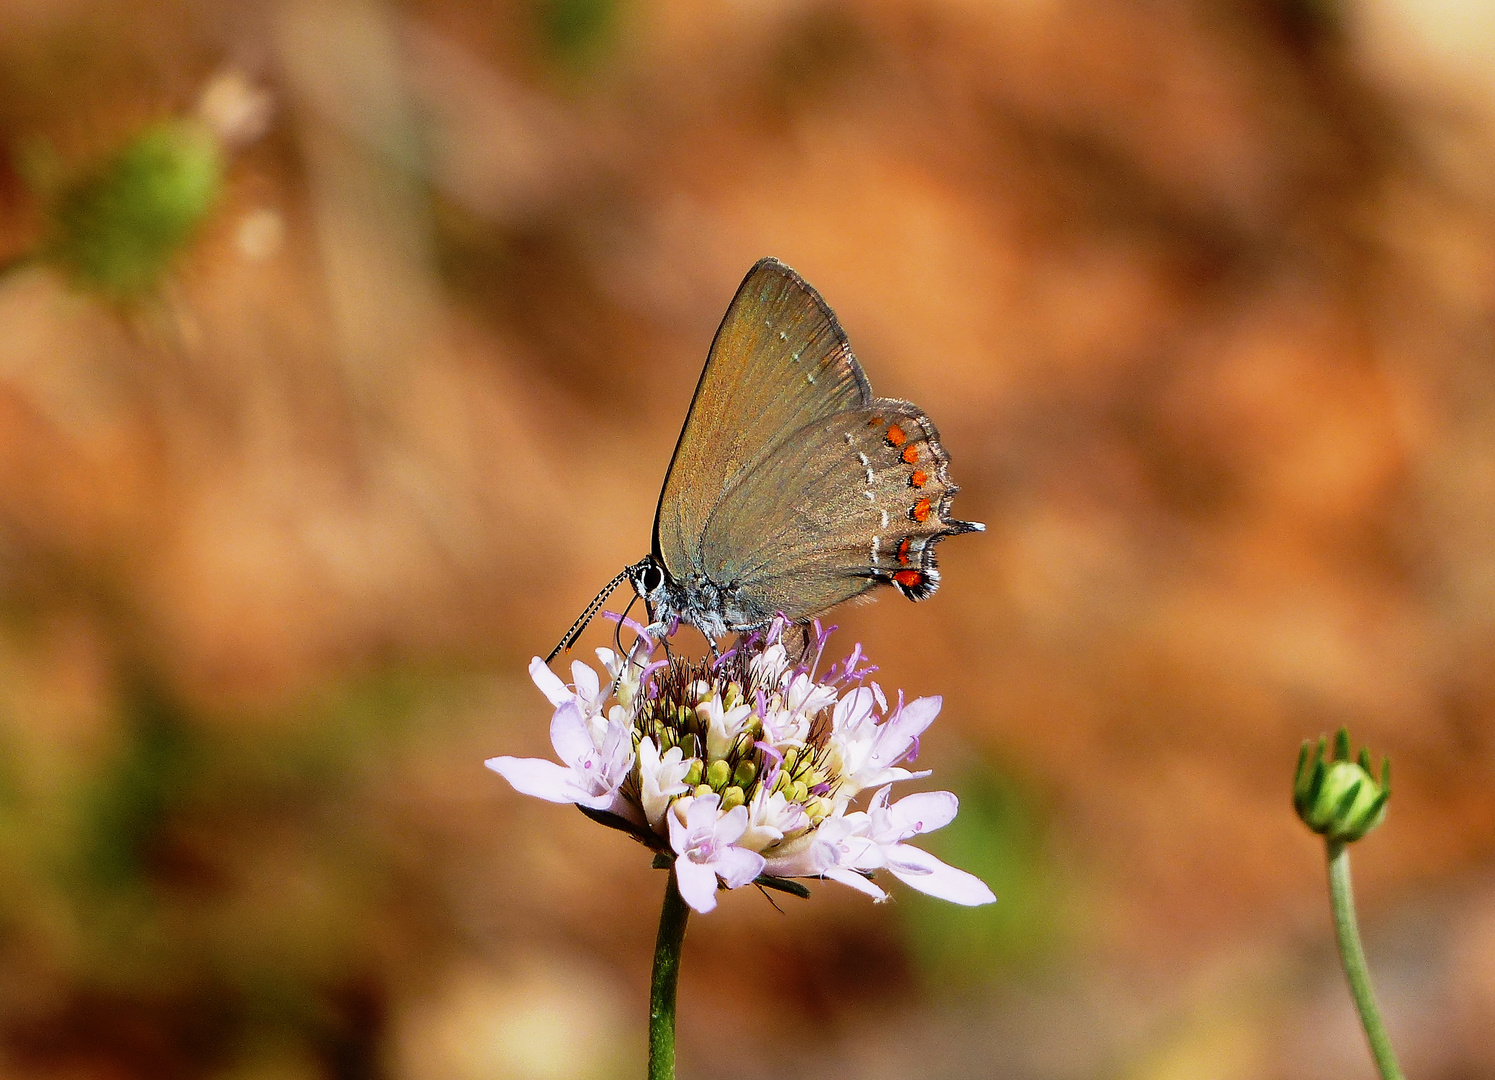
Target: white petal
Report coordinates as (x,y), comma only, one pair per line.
(586,682)
(731,825)
(540,778)
(857,882)
(570,735)
(549,682)
(679,834)
(697,884)
(922,871)
(853,709)
(738,867)
(922,813)
(701,813)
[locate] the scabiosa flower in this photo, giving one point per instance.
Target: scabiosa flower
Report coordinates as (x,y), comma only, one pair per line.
(746,768)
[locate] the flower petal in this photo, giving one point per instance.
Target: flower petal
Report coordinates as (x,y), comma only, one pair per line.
(697,884)
(701,813)
(679,833)
(540,778)
(921,870)
(570,735)
(857,882)
(549,682)
(731,825)
(737,867)
(922,813)
(586,683)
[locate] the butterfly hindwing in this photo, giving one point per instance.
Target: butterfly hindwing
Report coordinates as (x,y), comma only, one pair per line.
(846,503)
(779,362)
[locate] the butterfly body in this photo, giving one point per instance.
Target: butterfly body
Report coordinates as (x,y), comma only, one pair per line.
(792,488)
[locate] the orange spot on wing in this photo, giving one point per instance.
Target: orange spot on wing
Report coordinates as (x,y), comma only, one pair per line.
(919,479)
(909,579)
(896,435)
(903,549)
(876,421)
(921,510)
(910,454)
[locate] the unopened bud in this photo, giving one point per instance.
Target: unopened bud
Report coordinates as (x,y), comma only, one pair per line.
(1337,797)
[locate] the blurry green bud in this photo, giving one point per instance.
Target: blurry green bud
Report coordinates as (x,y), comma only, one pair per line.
(693,774)
(745,773)
(733,796)
(1337,797)
(797,792)
(703,789)
(717,774)
(117,227)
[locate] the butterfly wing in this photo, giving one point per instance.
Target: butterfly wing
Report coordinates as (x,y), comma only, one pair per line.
(849,501)
(779,363)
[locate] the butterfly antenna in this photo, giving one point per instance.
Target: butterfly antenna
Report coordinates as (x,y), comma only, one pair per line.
(586,616)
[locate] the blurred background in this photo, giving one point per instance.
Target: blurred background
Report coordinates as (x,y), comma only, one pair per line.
(332,389)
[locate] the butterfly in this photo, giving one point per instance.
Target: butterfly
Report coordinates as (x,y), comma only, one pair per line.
(792,489)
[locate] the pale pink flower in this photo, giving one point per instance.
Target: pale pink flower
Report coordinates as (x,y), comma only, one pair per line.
(746,767)
(705,839)
(877,841)
(592,773)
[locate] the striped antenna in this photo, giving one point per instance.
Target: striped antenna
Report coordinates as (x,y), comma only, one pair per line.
(586,616)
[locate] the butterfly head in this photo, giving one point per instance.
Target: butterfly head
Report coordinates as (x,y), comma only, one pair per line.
(649,580)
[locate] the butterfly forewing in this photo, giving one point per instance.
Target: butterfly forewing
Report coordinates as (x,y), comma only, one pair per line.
(779,363)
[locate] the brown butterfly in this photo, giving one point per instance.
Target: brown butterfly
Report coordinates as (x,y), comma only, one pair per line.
(792,488)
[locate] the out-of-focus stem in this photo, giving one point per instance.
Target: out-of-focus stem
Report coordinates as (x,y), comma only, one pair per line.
(672,919)
(1342,900)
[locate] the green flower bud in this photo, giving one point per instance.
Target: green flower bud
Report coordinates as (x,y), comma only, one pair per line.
(703,789)
(733,796)
(797,792)
(717,774)
(745,773)
(693,774)
(1338,798)
(117,228)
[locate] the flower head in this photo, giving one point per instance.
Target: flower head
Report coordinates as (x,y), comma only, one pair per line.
(745,768)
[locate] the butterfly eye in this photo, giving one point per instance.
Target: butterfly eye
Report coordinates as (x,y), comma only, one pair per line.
(653,578)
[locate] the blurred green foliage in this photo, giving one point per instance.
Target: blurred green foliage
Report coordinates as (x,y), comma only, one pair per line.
(1000,836)
(117,227)
(576,33)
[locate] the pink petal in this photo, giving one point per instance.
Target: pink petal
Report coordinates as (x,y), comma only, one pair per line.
(697,884)
(570,735)
(549,683)
(922,871)
(924,812)
(540,778)
(738,866)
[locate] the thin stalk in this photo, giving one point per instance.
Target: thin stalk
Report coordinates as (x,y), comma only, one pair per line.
(1342,900)
(672,919)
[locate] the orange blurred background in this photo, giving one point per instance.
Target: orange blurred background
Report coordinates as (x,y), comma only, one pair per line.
(1202,297)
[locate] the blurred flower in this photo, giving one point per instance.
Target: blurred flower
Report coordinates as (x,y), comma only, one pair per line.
(1339,798)
(116,227)
(746,767)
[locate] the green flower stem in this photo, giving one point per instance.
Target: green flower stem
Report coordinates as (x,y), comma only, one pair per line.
(1342,900)
(666,979)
